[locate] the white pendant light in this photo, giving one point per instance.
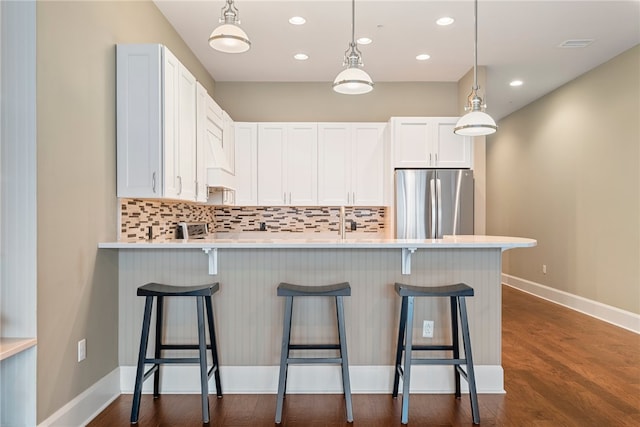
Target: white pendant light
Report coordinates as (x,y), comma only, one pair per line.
(353,80)
(476,122)
(229,37)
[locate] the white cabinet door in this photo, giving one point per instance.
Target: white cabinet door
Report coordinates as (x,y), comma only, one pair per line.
(287,164)
(334,164)
(301,163)
(186,135)
(246,161)
(350,164)
(272,139)
(156,124)
(453,151)
(139,121)
(367,165)
(201,144)
(429,142)
(228,141)
(411,145)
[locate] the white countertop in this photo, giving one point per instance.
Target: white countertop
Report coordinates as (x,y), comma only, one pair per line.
(478,242)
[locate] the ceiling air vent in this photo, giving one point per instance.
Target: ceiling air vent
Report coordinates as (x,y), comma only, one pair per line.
(575,43)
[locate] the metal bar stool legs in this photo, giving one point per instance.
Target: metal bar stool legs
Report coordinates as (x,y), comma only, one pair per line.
(144,340)
(346,382)
(470,374)
(203,299)
(289,291)
(284,357)
(457,294)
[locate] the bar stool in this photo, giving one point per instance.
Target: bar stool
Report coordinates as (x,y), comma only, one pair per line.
(203,297)
(289,291)
(457,294)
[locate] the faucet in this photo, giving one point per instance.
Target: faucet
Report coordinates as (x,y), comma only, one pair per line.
(341,225)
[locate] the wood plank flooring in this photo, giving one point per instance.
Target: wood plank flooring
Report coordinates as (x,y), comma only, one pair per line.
(562,368)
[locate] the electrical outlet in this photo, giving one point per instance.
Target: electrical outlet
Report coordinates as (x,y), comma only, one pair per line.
(544,268)
(82,350)
(427,329)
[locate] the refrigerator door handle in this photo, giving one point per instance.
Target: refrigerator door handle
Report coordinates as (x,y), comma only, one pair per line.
(433,231)
(439,191)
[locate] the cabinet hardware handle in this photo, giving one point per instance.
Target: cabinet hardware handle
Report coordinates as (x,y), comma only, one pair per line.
(436,159)
(180,191)
(284,196)
(153,182)
(289,197)
(429,159)
(353,199)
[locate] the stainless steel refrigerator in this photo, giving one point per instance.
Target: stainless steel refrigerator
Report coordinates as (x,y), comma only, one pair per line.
(431,203)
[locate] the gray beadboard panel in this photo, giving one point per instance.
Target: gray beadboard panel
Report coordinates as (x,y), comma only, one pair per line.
(249,315)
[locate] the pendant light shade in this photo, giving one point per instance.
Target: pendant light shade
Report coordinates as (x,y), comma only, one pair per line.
(476,122)
(229,37)
(353,80)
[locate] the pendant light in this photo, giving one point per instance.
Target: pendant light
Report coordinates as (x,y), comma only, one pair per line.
(353,80)
(229,37)
(476,122)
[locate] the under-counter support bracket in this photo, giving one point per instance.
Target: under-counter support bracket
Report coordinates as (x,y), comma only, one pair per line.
(406,260)
(213,260)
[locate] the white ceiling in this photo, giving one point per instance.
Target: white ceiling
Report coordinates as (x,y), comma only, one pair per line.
(516,39)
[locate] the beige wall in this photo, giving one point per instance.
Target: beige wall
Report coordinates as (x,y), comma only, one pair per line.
(565,170)
(77,284)
(317,102)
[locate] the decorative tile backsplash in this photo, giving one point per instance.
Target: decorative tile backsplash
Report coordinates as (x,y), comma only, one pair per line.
(290,219)
(136,216)
(163,218)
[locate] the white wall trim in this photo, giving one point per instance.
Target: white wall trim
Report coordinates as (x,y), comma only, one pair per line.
(84,407)
(615,316)
(314,379)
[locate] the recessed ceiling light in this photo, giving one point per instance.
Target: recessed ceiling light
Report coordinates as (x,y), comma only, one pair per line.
(423,57)
(364,40)
(297,20)
(516,83)
(445,20)
(301,56)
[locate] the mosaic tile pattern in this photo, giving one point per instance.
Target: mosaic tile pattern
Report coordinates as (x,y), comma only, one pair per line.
(163,217)
(290,219)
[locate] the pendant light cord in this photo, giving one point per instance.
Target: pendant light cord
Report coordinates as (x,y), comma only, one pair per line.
(475,46)
(353,22)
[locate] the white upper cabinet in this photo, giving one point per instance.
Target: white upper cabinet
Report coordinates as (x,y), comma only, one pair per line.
(228,141)
(287,164)
(350,164)
(429,142)
(156,124)
(246,162)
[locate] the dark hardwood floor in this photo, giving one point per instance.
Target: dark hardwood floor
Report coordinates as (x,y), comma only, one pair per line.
(562,368)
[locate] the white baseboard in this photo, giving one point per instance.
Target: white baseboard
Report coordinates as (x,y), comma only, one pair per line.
(607,313)
(315,379)
(88,404)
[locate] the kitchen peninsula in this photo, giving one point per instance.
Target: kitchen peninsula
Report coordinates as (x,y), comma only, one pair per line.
(249,314)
